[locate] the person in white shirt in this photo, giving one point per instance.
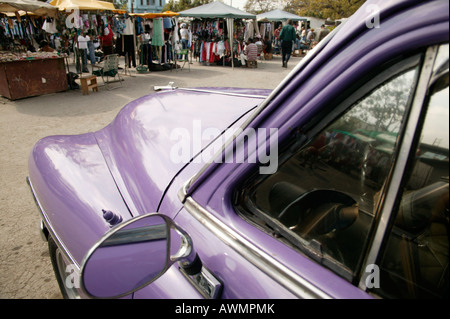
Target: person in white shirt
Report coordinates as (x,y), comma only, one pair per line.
(259,44)
(184,34)
(81,49)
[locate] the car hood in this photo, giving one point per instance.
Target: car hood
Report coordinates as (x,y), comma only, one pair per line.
(154,137)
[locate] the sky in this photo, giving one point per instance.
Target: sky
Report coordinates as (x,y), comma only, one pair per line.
(240,3)
(236,3)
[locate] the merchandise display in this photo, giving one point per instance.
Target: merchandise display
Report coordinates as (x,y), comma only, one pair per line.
(7,56)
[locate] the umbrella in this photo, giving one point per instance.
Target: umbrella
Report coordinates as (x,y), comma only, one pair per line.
(152,15)
(64,5)
(34,6)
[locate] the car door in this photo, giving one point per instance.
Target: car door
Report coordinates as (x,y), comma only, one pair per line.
(310,229)
(343,128)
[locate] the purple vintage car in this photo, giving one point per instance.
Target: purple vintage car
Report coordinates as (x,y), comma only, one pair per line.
(334,185)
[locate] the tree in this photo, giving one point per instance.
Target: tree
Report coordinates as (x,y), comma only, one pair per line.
(181,5)
(119,4)
(260,6)
(323,9)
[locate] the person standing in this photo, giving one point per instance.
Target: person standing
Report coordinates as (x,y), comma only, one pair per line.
(287,38)
(276,34)
(107,41)
(184,34)
(81,49)
(323,33)
(91,47)
(146,39)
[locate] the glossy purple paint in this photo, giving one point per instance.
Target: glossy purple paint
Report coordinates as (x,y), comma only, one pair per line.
(114,165)
(338,66)
(137,145)
(126,167)
(72,201)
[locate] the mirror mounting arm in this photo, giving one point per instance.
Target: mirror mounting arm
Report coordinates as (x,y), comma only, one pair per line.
(186,256)
(192,268)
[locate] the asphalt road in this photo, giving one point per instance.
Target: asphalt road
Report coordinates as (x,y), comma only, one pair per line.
(25,267)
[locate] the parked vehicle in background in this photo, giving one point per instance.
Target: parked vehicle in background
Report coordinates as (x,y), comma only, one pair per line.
(333,185)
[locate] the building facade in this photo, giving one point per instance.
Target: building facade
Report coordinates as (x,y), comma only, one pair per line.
(140,6)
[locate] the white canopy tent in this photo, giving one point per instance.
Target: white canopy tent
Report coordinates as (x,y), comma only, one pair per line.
(28,6)
(278,15)
(219,10)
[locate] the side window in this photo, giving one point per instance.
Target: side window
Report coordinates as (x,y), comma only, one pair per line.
(323,197)
(416,260)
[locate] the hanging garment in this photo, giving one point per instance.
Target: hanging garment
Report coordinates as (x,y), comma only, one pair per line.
(139,26)
(49,26)
(211,54)
(249,31)
(85,19)
(208,51)
(147,58)
(128,27)
(148,25)
(119,25)
(158,35)
(167,22)
(220,48)
(129,50)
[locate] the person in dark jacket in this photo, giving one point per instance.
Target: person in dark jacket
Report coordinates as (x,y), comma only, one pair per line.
(287,38)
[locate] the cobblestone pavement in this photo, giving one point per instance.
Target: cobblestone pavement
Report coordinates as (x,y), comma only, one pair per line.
(25,267)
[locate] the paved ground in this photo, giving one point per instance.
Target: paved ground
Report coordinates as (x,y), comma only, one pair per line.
(25,268)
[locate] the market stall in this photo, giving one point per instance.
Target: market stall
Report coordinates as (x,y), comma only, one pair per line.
(155,40)
(218,30)
(86,16)
(267,21)
(270,21)
(128,30)
(82,5)
(30,6)
(24,73)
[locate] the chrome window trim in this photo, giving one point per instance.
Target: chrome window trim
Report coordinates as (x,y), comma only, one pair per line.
(44,219)
(290,280)
(386,213)
(255,96)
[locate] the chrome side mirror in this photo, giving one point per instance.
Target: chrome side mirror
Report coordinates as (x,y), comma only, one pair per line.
(133,255)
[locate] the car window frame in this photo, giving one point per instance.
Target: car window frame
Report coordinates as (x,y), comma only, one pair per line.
(390,203)
(432,75)
(320,121)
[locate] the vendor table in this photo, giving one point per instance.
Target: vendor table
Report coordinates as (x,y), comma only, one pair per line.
(25,78)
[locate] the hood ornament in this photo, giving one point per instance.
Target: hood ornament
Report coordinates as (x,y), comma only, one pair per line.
(169,86)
